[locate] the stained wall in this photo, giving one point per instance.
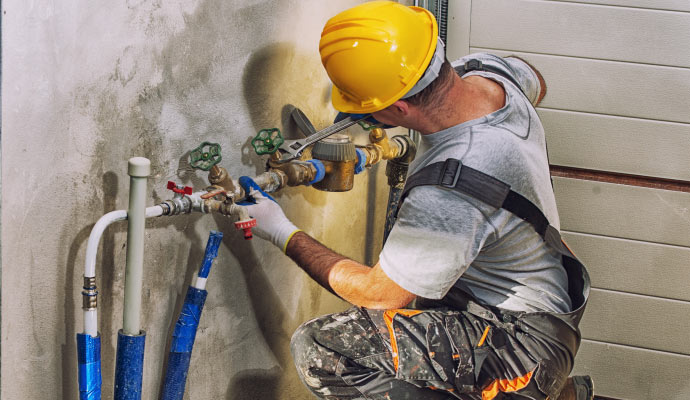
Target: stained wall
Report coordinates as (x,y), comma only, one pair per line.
(87,85)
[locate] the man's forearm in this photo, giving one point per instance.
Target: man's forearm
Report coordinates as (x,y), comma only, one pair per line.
(351,281)
(314,258)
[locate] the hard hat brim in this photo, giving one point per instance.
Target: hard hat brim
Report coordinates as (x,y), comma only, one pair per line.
(343,102)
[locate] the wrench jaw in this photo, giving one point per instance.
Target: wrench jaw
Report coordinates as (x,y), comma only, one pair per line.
(292,148)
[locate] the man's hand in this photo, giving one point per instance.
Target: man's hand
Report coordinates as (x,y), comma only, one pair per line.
(271,222)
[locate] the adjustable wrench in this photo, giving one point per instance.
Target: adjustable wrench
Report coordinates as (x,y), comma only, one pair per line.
(295,147)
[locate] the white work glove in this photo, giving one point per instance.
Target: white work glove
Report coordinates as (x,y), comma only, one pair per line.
(271,222)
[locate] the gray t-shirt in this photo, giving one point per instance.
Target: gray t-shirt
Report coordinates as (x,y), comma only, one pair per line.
(443,238)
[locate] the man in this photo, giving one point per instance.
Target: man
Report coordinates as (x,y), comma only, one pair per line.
(476,244)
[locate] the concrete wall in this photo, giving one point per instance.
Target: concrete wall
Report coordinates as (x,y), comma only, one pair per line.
(87,85)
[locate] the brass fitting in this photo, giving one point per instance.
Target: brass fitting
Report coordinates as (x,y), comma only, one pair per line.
(219,177)
(89,294)
(297,172)
(382,148)
(340,176)
(271,180)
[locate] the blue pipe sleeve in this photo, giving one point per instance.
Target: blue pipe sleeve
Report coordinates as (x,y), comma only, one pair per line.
(182,343)
(320,171)
(214,239)
(129,366)
(361,161)
(89,358)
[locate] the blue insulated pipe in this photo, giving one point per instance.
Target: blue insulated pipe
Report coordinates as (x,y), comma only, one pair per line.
(210,254)
(186,326)
(89,358)
(129,365)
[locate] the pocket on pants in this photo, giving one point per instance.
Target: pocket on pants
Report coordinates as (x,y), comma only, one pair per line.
(412,358)
(467,358)
(441,353)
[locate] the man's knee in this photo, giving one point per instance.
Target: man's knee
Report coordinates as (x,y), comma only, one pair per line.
(316,364)
(302,342)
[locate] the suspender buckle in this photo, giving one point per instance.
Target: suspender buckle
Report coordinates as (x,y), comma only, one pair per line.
(473,65)
(450,173)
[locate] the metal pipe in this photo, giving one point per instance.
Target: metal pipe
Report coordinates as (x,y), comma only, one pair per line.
(396,170)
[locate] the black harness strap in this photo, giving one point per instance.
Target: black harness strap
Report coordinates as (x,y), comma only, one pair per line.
(453,175)
(476,65)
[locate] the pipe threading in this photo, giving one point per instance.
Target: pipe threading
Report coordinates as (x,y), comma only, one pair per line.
(89,294)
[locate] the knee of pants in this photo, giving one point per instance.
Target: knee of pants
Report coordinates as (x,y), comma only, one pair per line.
(302,342)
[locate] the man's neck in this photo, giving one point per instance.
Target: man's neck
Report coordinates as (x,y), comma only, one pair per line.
(467,99)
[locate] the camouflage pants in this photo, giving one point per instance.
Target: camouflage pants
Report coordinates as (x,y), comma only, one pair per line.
(425,354)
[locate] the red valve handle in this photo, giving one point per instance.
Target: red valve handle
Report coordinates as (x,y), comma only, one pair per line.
(246,226)
(173,186)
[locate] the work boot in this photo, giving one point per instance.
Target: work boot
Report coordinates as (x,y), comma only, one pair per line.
(577,388)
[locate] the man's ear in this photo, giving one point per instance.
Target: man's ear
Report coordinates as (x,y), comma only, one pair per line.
(402,107)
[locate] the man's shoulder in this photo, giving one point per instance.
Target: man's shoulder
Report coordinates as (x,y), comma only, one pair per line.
(528,79)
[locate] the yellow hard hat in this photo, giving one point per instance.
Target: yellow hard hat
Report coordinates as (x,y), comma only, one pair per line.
(376,52)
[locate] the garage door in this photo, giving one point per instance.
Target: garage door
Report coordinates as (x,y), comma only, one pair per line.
(617,116)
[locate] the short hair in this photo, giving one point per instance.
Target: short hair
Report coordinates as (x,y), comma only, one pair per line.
(433,94)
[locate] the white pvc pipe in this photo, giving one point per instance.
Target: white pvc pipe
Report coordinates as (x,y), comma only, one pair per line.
(99,228)
(91,322)
(95,238)
(91,316)
(200,283)
(139,169)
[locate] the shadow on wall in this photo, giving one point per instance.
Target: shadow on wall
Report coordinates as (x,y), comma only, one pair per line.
(200,67)
(276,79)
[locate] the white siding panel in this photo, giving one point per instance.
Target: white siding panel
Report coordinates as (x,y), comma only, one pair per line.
(630,373)
(618,144)
(635,320)
(622,211)
(670,5)
(614,88)
(582,30)
(458,35)
(635,267)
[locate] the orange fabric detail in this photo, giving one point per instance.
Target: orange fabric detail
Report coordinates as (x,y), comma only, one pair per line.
(505,386)
(567,247)
(486,333)
(388,316)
